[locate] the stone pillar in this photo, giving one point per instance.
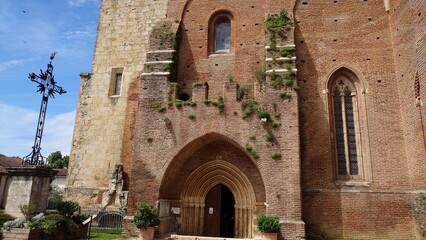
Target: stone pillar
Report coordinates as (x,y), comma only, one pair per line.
(28,185)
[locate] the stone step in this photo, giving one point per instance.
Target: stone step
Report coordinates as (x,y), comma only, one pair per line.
(185,237)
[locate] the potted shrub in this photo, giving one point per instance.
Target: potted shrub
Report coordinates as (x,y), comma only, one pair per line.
(146,218)
(269,226)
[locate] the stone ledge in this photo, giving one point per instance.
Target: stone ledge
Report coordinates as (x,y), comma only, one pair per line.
(31,171)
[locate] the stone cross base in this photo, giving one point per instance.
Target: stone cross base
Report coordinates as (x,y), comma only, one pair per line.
(28,185)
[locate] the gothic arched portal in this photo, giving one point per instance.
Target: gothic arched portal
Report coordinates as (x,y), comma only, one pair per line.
(198,185)
(209,163)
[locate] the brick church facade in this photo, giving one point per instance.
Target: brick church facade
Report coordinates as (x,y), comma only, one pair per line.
(310,110)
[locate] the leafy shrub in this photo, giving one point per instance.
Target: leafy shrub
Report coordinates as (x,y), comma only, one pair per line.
(268,224)
(80,218)
(146,216)
(55,197)
(54,221)
(4,217)
(19,222)
(67,208)
(28,210)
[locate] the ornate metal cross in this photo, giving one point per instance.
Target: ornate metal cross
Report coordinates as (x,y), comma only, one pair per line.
(47,87)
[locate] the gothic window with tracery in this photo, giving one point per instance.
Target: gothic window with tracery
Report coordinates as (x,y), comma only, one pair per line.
(345,116)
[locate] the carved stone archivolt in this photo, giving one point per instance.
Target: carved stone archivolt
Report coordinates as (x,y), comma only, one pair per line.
(198,185)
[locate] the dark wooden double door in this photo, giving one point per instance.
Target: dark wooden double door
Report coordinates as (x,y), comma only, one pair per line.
(219,212)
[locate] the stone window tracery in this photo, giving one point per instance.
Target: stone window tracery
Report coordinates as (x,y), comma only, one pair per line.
(346,130)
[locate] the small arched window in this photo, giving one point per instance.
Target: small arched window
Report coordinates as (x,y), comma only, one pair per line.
(346,130)
(222,34)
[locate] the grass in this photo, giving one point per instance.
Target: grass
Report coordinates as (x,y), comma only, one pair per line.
(110,234)
(102,236)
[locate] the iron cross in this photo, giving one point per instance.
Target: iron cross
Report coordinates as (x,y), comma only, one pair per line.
(47,87)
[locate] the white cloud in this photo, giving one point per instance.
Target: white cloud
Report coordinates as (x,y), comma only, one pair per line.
(73,35)
(18,126)
(9,64)
(79,3)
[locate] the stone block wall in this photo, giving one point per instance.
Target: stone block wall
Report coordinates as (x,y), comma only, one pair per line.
(122,41)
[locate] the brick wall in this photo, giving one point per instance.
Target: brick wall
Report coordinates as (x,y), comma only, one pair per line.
(159,149)
(407,25)
(355,35)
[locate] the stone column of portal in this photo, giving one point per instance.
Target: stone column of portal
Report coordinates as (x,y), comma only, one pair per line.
(28,185)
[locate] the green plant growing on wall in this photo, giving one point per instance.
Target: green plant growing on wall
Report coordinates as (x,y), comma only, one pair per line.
(289,82)
(417,207)
(220,104)
(264,115)
(207,102)
(230,78)
(252,152)
(149,139)
(260,74)
(269,137)
(160,108)
(277,115)
(276,80)
(275,155)
(190,103)
(167,67)
(149,68)
(285,95)
(178,103)
(278,25)
(242,93)
(172,89)
(191,116)
(249,107)
(287,52)
(296,88)
(164,34)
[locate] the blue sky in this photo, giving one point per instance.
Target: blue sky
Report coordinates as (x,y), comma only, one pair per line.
(29,31)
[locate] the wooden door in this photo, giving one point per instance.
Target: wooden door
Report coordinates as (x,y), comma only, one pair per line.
(212,212)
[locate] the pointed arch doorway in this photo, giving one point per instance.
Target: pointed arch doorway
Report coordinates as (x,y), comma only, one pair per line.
(219,212)
(213,190)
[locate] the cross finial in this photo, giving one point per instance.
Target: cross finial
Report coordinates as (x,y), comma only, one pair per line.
(47,87)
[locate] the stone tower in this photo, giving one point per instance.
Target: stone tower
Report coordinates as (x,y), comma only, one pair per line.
(308,110)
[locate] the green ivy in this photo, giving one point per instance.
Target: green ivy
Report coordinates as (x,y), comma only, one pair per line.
(220,104)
